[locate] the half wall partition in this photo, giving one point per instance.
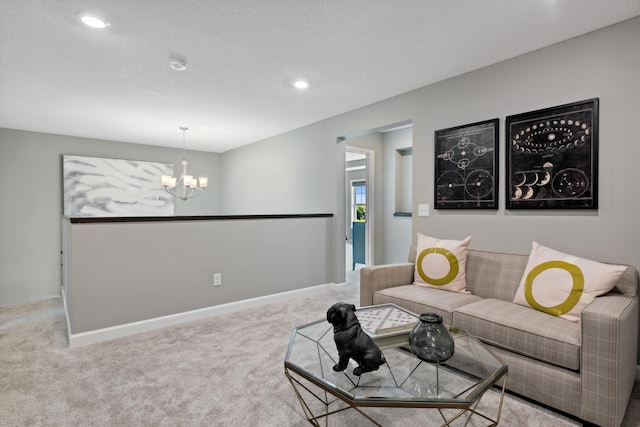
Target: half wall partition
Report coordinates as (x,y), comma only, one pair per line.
(128,275)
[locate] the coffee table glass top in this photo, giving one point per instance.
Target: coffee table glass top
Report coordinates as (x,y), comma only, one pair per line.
(404,380)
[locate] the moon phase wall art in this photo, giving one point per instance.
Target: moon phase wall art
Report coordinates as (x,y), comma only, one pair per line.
(552,157)
(95,186)
(466,173)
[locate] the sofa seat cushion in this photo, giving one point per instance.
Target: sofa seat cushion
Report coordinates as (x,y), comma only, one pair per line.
(419,299)
(522,330)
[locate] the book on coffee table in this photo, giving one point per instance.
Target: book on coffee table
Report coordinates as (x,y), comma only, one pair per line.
(385,321)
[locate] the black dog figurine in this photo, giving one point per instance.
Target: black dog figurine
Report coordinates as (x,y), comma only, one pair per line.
(351,341)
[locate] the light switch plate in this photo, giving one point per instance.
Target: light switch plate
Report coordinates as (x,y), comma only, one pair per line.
(423,210)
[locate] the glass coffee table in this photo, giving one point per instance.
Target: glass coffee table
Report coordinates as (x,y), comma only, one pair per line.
(403,382)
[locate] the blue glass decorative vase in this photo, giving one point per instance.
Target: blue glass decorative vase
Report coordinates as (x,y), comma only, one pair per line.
(430,340)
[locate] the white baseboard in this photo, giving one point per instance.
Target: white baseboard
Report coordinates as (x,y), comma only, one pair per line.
(119,331)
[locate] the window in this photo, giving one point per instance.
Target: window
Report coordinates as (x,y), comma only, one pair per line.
(360,199)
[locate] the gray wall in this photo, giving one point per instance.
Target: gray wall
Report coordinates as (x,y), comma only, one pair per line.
(601,64)
(153,269)
(286,175)
(31,203)
(396,230)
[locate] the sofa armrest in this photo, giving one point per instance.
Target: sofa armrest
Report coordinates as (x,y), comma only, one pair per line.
(377,277)
(609,354)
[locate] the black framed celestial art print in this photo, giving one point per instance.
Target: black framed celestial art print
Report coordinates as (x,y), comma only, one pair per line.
(466,172)
(552,157)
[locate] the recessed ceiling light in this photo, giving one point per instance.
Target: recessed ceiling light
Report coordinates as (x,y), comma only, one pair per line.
(301,84)
(92,20)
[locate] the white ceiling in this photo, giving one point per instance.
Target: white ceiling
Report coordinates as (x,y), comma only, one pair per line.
(59,76)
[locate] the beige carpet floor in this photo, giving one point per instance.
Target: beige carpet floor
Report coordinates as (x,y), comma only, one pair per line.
(222,371)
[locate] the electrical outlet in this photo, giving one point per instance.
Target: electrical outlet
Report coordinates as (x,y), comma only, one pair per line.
(217,279)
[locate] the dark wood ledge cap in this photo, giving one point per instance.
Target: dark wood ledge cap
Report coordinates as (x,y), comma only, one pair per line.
(97,220)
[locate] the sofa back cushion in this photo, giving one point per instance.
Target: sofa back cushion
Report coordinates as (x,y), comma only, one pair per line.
(497,275)
(628,283)
(490,274)
(494,275)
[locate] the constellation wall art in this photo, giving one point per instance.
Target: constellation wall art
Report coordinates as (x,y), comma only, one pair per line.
(466,173)
(552,157)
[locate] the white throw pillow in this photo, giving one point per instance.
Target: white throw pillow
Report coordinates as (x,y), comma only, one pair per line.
(441,263)
(563,285)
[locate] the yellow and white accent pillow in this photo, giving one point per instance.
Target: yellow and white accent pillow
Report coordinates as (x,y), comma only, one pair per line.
(562,285)
(441,263)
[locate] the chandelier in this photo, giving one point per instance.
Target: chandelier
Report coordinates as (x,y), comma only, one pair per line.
(185,187)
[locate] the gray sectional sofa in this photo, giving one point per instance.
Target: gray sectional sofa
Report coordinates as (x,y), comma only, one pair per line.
(586,369)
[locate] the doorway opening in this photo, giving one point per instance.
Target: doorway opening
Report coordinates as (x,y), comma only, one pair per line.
(359,214)
(387,219)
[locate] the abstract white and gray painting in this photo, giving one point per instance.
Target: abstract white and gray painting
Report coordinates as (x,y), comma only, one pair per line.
(95,186)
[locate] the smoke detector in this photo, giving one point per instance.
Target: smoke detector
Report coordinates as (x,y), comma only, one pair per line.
(178,64)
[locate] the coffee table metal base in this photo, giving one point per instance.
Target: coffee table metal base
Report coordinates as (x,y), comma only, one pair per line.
(455,387)
(327,397)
